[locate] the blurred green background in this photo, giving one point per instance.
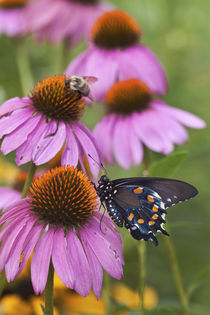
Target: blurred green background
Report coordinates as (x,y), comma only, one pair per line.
(178,32)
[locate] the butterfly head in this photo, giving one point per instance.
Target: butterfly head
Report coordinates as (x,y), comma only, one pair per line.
(105,188)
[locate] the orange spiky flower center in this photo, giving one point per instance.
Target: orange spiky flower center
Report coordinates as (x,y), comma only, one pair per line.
(12,3)
(115,29)
(19,181)
(127,96)
(56,100)
(85,2)
(63,196)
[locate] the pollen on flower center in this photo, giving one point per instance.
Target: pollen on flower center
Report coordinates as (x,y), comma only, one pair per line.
(12,3)
(55,99)
(63,196)
(127,96)
(85,2)
(115,29)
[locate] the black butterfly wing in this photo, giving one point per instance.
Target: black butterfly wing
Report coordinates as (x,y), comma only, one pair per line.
(142,211)
(171,191)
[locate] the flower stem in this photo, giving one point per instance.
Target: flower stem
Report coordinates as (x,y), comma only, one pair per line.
(23,65)
(176,274)
(2,282)
(49,291)
(65,58)
(142,246)
(142,274)
(29,179)
(106,294)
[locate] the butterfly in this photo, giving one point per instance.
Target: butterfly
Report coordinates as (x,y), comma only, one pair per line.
(140,203)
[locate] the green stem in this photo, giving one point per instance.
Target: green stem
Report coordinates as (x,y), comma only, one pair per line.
(106,294)
(49,291)
(65,57)
(29,179)
(142,274)
(23,65)
(176,274)
(2,282)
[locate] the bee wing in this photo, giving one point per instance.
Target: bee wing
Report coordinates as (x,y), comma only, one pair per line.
(90,80)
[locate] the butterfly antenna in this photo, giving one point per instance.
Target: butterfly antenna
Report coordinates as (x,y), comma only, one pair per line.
(100,164)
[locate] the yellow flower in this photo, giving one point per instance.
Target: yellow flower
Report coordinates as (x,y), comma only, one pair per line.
(14,304)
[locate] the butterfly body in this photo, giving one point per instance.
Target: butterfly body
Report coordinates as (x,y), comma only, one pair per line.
(140,203)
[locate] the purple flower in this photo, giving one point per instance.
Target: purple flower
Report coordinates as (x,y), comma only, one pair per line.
(37,127)
(60,221)
(56,20)
(11,17)
(116,55)
(134,117)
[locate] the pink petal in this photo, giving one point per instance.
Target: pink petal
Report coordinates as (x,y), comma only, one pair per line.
(13,262)
(121,149)
(9,240)
(25,152)
(14,209)
(105,252)
(136,147)
(141,63)
(41,261)
(71,153)
(88,148)
(14,120)
(95,266)
(103,132)
(16,138)
(13,104)
(50,145)
(29,245)
(8,195)
(182,116)
(61,262)
(79,264)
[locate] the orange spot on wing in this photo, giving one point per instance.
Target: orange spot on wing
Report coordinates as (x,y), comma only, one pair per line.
(138,190)
(151,222)
(150,199)
(154,217)
(155,208)
(141,221)
(131,216)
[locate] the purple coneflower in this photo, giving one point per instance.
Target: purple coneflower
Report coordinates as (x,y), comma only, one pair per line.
(12,194)
(59,219)
(38,126)
(116,55)
(135,117)
(56,20)
(11,19)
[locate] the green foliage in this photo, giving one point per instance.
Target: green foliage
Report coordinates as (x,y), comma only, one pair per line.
(167,166)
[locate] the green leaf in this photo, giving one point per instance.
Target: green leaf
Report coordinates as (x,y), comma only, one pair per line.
(200,278)
(167,166)
(43,309)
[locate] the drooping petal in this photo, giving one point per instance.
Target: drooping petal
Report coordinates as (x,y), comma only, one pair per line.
(14,209)
(13,121)
(61,263)
(51,145)
(79,263)
(14,104)
(141,63)
(88,148)
(111,261)
(71,152)
(41,261)
(121,149)
(95,266)
(17,137)
(136,147)
(186,118)
(14,258)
